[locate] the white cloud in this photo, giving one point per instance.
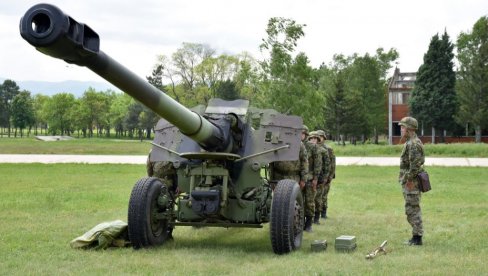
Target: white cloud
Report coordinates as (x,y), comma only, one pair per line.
(135,32)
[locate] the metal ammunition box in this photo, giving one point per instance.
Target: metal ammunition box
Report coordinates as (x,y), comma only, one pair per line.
(345,243)
(319,245)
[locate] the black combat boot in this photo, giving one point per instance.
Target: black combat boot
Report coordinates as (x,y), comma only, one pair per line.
(415,240)
(316,218)
(324,213)
(308,224)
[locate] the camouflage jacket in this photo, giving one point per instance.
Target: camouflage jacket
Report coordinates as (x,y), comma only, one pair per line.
(332,158)
(160,169)
(296,170)
(314,161)
(326,162)
(412,159)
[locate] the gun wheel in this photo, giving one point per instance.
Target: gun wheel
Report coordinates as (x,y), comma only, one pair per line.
(145,229)
(287,216)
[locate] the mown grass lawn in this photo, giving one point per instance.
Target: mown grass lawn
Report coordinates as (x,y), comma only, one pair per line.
(136,147)
(43,207)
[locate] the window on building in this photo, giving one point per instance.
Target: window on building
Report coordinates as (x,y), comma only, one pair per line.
(400,97)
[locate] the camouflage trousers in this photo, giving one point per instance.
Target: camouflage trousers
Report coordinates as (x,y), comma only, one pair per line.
(318,197)
(412,208)
(325,194)
(309,199)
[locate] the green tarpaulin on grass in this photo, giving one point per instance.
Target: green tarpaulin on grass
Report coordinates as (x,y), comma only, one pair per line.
(112,233)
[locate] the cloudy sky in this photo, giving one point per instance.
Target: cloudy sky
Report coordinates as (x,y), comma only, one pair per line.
(135,32)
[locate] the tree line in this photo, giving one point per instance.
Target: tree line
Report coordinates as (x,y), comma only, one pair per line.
(346,97)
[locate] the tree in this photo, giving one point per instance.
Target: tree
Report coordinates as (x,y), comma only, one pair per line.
(95,106)
(227,90)
(131,120)
(472,84)
(118,112)
(433,101)
(8,90)
(58,110)
(164,70)
(287,81)
(187,58)
(214,71)
(247,79)
(368,82)
(38,102)
(22,112)
(341,109)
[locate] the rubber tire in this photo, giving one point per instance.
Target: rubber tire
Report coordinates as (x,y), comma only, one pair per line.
(143,231)
(287,216)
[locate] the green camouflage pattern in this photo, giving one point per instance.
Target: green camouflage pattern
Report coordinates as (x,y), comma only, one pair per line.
(324,155)
(411,164)
(295,170)
(328,176)
(314,161)
(163,170)
(309,199)
(409,122)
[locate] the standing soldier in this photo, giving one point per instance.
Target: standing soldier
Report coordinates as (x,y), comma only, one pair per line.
(330,175)
(411,164)
(295,170)
(163,170)
(314,169)
(324,175)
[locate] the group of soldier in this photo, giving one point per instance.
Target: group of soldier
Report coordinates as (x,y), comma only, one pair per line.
(314,171)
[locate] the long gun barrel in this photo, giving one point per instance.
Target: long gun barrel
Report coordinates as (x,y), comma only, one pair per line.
(52,32)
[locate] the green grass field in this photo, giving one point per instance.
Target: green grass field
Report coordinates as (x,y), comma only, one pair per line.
(135,147)
(43,207)
(75,146)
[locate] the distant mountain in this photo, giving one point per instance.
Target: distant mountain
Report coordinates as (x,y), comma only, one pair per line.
(77,88)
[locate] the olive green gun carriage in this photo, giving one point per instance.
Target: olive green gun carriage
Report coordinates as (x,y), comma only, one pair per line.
(218,152)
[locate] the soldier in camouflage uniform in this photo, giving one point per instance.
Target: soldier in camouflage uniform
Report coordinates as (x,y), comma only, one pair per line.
(315,167)
(411,164)
(324,175)
(331,174)
(163,170)
(295,170)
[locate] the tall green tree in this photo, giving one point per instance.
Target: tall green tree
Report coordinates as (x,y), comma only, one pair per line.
(341,109)
(287,81)
(131,120)
(22,112)
(8,90)
(58,111)
(368,82)
(186,59)
(227,90)
(38,102)
(472,84)
(96,107)
(118,112)
(247,79)
(213,71)
(433,101)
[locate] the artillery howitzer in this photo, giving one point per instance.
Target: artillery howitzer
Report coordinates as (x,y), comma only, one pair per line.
(217,153)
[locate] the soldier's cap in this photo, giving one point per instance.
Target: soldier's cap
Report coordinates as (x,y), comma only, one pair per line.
(409,122)
(305,129)
(313,134)
(321,133)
